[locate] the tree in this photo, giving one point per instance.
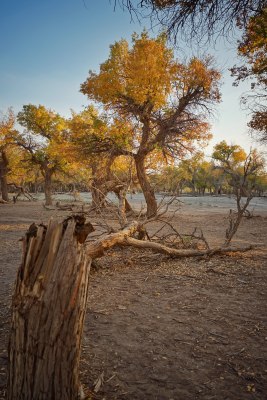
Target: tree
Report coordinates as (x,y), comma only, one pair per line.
(204,177)
(230,155)
(202,20)
(162,103)
(83,127)
(253,50)
(217,180)
(198,19)
(7,134)
(190,169)
(242,171)
(21,172)
(44,142)
(87,130)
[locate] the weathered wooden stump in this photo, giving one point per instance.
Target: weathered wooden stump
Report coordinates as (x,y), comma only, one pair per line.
(48,311)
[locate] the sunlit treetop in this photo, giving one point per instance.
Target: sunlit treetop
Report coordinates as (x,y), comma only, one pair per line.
(233,154)
(199,75)
(146,78)
(39,120)
(242,169)
(44,136)
(7,128)
(142,74)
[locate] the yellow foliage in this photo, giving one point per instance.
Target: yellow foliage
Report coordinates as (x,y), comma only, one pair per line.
(233,154)
(199,74)
(7,130)
(142,73)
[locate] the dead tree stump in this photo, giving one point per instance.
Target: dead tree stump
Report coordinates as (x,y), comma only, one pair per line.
(48,311)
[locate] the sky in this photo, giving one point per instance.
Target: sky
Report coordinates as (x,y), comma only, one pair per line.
(47,48)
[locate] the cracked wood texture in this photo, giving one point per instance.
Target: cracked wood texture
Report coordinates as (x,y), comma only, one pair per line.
(48,311)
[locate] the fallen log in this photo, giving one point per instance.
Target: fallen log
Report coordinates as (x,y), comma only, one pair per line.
(179,253)
(98,248)
(124,237)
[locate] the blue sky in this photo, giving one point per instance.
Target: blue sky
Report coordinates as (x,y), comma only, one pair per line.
(48,46)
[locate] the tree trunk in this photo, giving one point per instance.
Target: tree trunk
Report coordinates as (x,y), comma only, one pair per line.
(98,195)
(48,311)
(3,174)
(236,218)
(122,207)
(4,188)
(97,189)
(147,189)
(127,205)
(48,187)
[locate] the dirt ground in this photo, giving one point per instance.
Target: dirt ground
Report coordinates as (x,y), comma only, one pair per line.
(159,328)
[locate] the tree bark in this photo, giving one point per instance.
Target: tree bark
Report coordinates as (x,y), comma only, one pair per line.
(98,195)
(127,205)
(121,194)
(48,313)
(97,189)
(48,187)
(3,175)
(147,189)
(97,248)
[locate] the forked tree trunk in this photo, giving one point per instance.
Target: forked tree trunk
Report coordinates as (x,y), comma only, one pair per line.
(122,207)
(48,312)
(100,175)
(236,218)
(127,205)
(147,189)
(98,195)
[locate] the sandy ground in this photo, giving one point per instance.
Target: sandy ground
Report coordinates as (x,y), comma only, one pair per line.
(164,329)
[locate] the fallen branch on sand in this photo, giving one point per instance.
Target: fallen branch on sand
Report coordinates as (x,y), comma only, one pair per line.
(124,237)
(179,253)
